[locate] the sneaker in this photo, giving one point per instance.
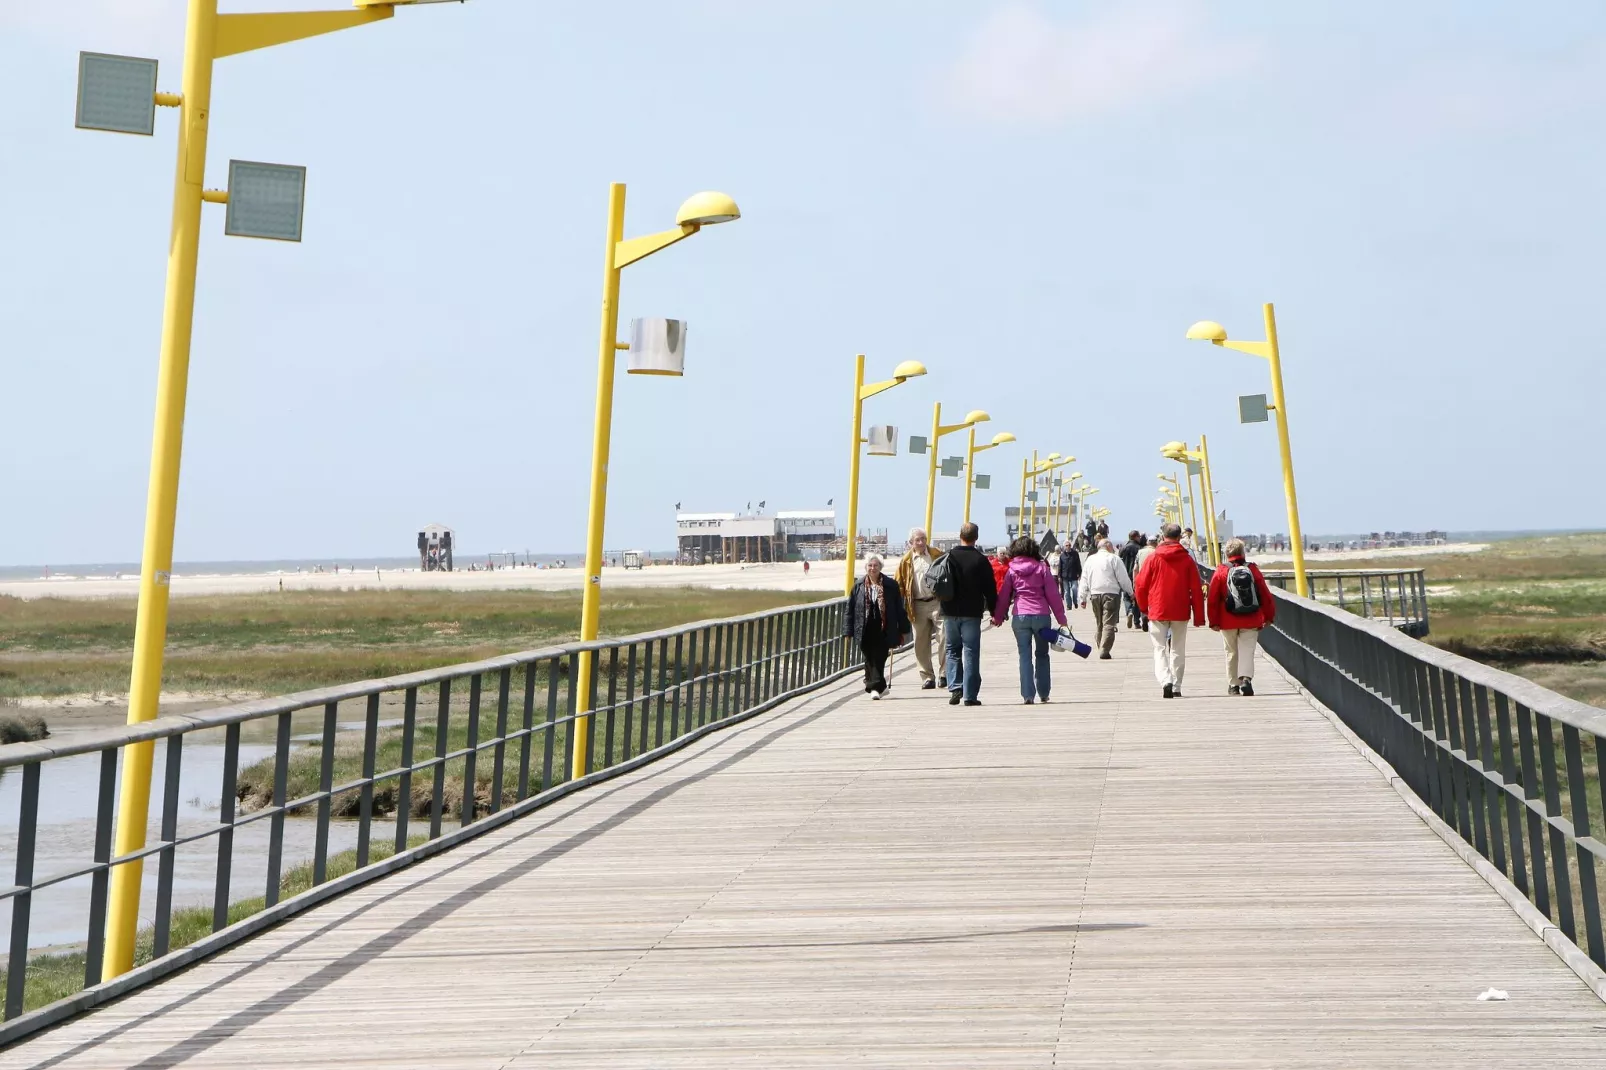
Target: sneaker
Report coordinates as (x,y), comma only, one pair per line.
(875,696)
(1246,688)
(1026,701)
(929,685)
(1166,691)
(1176,692)
(1233,690)
(953,698)
(1104,657)
(973,702)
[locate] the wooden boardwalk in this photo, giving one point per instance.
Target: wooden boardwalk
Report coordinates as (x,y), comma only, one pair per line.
(1109,880)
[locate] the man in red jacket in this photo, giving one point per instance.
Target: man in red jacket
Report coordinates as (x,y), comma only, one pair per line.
(1169,594)
(1239,605)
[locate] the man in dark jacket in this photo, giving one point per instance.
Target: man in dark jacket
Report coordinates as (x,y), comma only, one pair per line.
(975,591)
(1129,557)
(1069,572)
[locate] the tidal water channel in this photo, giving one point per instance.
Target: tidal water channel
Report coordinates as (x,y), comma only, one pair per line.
(68,793)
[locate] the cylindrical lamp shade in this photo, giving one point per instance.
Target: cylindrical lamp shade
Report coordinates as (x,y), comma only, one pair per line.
(883,441)
(657,347)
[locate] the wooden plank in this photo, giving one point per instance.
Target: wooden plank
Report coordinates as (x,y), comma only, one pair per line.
(1110,879)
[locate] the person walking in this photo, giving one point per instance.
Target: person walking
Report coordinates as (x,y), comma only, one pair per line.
(1069,568)
(974,595)
(1031,596)
(1129,557)
(1170,593)
(1238,606)
(925,612)
(1104,582)
(875,619)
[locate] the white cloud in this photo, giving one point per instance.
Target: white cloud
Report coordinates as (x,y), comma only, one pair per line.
(1024,67)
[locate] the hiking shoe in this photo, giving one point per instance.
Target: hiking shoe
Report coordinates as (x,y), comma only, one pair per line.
(1166,691)
(1233,690)
(929,685)
(953,698)
(1246,688)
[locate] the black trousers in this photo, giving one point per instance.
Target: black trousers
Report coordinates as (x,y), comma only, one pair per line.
(874,646)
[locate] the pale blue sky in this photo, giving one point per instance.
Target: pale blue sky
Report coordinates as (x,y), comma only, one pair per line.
(1036,199)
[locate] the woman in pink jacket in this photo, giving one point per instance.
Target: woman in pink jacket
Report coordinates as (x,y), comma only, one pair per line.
(1031,593)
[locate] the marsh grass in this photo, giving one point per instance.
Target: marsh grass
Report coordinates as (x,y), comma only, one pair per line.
(294,640)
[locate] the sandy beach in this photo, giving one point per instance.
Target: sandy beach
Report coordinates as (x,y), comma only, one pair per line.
(822,576)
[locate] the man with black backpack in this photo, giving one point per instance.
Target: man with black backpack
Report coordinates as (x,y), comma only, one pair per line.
(963,579)
(1238,606)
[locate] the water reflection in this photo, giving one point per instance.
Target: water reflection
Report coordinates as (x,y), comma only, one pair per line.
(68,794)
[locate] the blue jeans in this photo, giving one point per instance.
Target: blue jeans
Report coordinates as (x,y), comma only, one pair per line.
(1028,637)
(1068,592)
(962,638)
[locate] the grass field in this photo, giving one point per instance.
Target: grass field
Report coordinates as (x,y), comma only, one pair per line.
(1536,607)
(277,643)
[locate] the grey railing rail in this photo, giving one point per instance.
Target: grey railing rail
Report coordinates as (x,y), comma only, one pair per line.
(1503,761)
(653,693)
(1396,596)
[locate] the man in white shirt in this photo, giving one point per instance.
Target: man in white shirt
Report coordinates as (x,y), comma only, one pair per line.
(1104,581)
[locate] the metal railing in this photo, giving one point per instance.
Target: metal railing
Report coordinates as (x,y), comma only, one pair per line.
(414,757)
(1397,597)
(1503,761)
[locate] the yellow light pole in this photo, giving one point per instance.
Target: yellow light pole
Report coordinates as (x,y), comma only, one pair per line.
(1064,495)
(970,463)
(702,209)
(938,429)
(1174,490)
(909,369)
(1216,334)
(1083,493)
(1179,452)
(208,37)
(1038,468)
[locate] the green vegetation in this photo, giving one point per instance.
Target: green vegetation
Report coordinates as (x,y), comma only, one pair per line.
(57,975)
(290,641)
(23,728)
(1535,607)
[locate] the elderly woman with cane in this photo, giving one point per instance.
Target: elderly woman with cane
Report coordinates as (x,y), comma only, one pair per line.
(875,618)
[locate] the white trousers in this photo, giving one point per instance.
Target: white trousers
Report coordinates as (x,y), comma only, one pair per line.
(1240,643)
(926,615)
(1170,638)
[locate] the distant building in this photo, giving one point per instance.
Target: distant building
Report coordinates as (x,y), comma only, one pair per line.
(435,544)
(719,538)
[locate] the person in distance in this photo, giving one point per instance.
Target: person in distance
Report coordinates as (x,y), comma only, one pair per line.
(1238,606)
(1030,593)
(1169,593)
(973,598)
(1070,573)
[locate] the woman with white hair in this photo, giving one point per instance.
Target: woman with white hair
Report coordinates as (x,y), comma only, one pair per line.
(874,617)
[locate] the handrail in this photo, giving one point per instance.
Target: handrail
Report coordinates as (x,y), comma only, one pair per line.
(652,693)
(1500,759)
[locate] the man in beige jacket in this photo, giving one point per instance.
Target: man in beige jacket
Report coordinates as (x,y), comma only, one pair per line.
(925,610)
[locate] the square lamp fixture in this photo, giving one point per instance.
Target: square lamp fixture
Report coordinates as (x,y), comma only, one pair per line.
(952,466)
(983,481)
(265,200)
(657,347)
(1252,409)
(1195,468)
(1031,495)
(918,444)
(116,93)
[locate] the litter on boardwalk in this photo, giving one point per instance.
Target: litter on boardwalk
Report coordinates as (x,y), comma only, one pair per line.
(1491,993)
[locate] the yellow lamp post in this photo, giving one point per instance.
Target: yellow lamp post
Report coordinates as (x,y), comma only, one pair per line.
(1063,496)
(909,369)
(1216,334)
(1038,468)
(208,37)
(939,429)
(999,439)
(1183,488)
(1028,470)
(700,210)
(1179,452)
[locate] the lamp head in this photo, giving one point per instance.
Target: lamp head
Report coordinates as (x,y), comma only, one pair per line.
(1003,437)
(1208,331)
(977,416)
(1074,475)
(707,208)
(906,370)
(1051,457)
(1173,447)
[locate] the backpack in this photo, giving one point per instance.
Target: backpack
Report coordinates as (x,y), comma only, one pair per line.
(940,579)
(1243,598)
